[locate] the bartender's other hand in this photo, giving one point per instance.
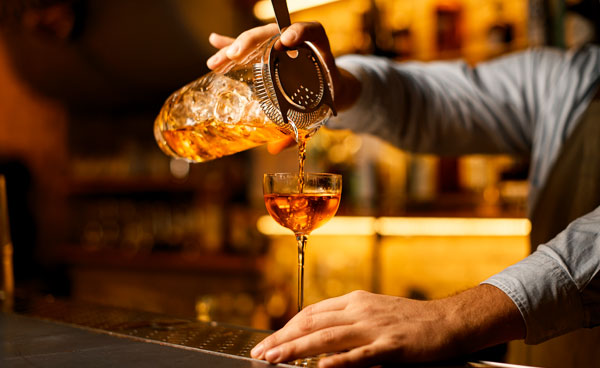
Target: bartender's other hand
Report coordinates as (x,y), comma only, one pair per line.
(370,329)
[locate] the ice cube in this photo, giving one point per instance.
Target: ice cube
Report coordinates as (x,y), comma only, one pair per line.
(219,84)
(299,203)
(253,112)
(230,107)
(282,203)
(242,89)
(180,115)
(200,105)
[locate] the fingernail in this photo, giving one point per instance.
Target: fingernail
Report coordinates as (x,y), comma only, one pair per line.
(273,355)
(324,363)
(233,51)
(213,60)
(289,36)
(257,351)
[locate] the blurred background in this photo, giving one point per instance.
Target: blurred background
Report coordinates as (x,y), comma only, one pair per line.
(98,213)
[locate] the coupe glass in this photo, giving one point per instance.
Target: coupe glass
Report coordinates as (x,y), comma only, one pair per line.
(302,204)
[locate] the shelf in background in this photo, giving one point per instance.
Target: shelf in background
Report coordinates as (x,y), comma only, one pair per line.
(160,261)
(129,185)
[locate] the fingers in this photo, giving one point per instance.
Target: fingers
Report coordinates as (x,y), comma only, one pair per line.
(305,31)
(238,48)
(220,41)
(364,356)
(218,59)
(308,31)
(329,326)
(337,338)
(248,40)
(299,329)
(326,313)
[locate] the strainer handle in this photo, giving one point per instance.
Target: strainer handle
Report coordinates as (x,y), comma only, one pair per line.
(282,15)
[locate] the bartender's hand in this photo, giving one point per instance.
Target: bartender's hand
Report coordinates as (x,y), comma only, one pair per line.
(370,329)
(346,86)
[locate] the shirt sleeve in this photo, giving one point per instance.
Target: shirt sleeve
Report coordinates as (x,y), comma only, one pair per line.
(451,108)
(557,288)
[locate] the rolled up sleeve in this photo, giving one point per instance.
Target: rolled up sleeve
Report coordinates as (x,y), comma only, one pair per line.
(557,288)
(417,106)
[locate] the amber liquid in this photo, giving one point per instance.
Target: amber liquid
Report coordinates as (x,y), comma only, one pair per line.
(212,139)
(301,160)
(304,212)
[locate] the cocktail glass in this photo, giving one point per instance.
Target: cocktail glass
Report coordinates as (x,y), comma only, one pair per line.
(302,204)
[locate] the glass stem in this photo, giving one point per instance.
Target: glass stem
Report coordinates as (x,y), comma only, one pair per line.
(301,239)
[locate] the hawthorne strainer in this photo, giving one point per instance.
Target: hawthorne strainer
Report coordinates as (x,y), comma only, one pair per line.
(294,87)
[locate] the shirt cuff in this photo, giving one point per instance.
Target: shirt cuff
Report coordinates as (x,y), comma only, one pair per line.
(545,294)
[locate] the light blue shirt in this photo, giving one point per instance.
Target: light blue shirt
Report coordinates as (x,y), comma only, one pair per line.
(527,103)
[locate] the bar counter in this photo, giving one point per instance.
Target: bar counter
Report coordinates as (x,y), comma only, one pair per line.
(32,342)
(46,332)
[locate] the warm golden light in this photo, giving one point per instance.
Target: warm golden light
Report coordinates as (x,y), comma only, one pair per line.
(439,226)
(263,9)
(410,226)
(339,225)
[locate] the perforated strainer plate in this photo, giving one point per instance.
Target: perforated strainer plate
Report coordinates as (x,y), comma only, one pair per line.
(294,87)
(304,85)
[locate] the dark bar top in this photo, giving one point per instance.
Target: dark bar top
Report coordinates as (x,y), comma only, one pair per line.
(46,332)
(32,342)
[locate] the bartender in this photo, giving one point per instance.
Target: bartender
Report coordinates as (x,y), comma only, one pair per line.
(542,103)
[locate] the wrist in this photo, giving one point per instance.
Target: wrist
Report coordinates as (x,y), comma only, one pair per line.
(481,317)
(347,90)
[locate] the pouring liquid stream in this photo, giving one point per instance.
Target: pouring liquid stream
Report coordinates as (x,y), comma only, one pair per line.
(301,239)
(301,160)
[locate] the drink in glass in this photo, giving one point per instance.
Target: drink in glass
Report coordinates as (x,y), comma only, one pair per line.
(302,207)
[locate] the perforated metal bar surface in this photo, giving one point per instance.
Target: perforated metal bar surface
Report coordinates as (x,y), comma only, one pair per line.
(149,327)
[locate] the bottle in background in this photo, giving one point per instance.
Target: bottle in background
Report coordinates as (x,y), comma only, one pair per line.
(7,283)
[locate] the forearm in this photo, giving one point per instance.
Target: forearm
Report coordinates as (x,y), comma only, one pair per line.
(557,288)
(347,90)
(482,316)
(436,107)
